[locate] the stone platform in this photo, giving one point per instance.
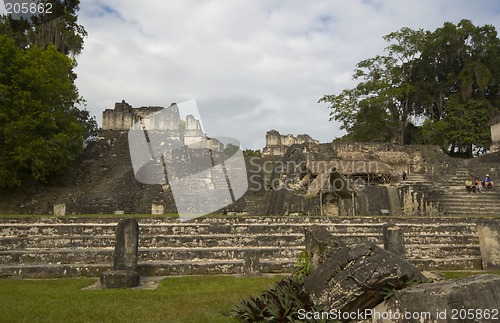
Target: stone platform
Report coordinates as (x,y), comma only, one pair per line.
(71,247)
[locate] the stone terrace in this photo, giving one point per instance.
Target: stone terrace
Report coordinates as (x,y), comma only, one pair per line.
(71,247)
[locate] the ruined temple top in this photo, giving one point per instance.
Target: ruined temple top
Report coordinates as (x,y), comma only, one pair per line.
(123,116)
(276,143)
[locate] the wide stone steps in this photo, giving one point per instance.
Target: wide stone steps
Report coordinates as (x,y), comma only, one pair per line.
(288,253)
(453,199)
(462,203)
(176,228)
(74,247)
(226,240)
(105,255)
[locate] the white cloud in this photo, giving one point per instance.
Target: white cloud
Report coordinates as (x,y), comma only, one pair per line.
(252,66)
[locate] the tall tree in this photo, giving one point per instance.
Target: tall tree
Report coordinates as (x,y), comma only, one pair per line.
(458,70)
(42,131)
(429,76)
(385,85)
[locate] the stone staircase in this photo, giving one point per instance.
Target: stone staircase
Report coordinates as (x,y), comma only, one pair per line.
(415,179)
(452,198)
(457,201)
(70,247)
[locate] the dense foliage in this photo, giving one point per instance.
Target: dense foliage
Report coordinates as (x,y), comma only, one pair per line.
(280,303)
(447,80)
(58,28)
(42,130)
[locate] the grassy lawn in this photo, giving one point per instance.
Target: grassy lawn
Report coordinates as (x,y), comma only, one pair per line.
(177,299)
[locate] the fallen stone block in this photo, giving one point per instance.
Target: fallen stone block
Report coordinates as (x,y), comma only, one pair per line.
(320,244)
(356,277)
(471,299)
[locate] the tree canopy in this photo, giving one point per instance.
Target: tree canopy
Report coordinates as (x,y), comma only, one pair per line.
(42,129)
(58,28)
(449,79)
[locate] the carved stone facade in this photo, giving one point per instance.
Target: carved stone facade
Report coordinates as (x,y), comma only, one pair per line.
(277,144)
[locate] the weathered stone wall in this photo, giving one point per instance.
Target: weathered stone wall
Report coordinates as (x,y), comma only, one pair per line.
(489,241)
(70,246)
(495,135)
(124,116)
(121,117)
(277,144)
(401,158)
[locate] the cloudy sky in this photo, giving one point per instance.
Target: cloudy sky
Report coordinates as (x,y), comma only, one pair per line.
(252,65)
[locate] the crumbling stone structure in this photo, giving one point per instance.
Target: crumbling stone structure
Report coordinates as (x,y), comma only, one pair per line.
(277,144)
(295,175)
(123,117)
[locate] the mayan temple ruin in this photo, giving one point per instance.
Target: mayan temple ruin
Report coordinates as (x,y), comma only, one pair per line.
(356,190)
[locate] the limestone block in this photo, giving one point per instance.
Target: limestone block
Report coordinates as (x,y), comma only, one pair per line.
(417,164)
(126,245)
(157,208)
(495,133)
(394,239)
(251,266)
(352,277)
(489,243)
(444,301)
(120,279)
(59,209)
(320,244)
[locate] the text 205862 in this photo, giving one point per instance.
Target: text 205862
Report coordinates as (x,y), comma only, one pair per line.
(28,7)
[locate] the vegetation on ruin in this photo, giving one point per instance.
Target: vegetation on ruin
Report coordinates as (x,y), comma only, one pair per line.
(282,301)
(43,130)
(177,299)
(440,87)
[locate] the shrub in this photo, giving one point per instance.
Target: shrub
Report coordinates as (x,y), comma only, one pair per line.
(282,301)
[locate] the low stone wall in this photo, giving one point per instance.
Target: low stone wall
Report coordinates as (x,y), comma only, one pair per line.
(60,247)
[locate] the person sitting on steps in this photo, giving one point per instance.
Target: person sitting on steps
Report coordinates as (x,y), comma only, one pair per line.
(468,185)
(488,182)
(479,185)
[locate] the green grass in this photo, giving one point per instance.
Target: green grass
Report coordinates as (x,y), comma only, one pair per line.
(177,299)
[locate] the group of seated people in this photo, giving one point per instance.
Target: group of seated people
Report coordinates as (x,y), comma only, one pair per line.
(478,185)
